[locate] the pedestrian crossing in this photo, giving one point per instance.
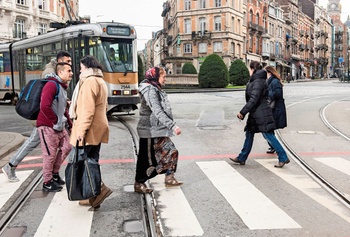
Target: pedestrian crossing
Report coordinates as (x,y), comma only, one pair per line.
(255,209)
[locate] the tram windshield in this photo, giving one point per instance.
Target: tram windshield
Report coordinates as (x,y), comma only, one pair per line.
(119,55)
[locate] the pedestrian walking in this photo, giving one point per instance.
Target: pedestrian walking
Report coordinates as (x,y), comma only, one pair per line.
(276,100)
(260,118)
(33,141)
(157,153)
(88,110)
(51,123)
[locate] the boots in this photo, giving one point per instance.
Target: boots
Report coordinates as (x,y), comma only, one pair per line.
(105,192)
(88,202)
(170,181)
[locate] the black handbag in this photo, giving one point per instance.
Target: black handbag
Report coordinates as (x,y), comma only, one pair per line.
(83,176)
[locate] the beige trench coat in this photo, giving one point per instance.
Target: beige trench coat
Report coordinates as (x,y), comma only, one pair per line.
(91,110)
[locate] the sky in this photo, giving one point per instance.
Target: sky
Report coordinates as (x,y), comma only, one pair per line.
(145,15)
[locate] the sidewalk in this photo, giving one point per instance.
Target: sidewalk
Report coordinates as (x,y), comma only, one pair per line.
(9,142)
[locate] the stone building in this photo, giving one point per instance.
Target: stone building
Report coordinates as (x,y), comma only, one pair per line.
(194,29)
(28,18)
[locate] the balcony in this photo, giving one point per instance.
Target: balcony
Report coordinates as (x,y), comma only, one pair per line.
(317,34)
(301,33)
(265,54)
(201,36)
(301,47)
(272,56)
(307,47)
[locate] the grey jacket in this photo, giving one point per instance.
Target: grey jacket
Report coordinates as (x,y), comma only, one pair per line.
(156,119)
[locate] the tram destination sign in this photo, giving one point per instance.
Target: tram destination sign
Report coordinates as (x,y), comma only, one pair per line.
(118,30)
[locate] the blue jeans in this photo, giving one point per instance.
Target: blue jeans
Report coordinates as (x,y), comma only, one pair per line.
(271,139)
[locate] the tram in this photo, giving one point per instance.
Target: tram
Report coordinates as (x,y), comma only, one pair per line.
(112,43)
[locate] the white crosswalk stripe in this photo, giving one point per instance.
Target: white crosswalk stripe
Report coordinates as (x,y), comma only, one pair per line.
(255,209)
(62,211)
(176,211)
(308,186)
(337,163)
(7,189)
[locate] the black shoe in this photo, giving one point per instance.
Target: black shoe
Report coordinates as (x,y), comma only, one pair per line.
(57,179)
(51,186)
(270,151)
(237,161)
(281,164)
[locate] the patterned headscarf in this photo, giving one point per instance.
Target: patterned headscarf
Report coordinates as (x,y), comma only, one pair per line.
(152,75)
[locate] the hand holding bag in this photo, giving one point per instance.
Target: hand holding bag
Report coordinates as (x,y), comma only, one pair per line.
(83,176)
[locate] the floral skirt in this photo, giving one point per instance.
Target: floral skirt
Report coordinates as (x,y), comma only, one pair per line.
(156,156)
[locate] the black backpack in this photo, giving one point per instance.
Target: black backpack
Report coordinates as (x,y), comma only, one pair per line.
(28,105)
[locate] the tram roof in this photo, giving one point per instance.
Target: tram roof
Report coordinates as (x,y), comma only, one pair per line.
(68,32)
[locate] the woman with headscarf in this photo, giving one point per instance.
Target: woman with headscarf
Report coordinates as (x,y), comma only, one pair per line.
(157,153)
(260,119)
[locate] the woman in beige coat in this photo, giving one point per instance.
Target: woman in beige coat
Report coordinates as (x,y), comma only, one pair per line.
(88,111)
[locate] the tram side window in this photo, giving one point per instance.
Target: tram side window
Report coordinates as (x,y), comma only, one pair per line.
(34,58)
(5,65)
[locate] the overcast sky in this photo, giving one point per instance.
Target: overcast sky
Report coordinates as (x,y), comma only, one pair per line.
(145,14)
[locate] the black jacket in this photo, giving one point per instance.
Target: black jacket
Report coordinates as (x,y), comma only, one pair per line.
(276,94)
(260,117)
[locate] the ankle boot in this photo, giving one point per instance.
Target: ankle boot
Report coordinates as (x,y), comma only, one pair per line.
(105,192)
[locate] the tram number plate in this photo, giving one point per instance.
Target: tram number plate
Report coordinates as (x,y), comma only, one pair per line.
(125,87)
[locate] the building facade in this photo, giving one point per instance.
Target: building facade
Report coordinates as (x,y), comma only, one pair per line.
(28,18)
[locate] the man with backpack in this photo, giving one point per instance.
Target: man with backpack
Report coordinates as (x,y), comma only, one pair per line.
(51,123)
(33,141)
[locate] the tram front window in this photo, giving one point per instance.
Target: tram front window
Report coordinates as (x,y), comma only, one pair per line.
(119,56)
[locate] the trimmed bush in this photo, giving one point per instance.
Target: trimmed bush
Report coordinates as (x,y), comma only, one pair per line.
(213,73)
(239,74)
(188,68)
(140,72)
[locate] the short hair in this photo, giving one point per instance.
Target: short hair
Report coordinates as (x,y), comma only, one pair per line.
(62,54)
(60,66)
(91,62)
(255,65)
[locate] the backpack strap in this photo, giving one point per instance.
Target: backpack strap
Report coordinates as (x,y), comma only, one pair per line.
(57,89)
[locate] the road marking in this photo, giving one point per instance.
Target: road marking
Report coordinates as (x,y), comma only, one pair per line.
(62,211)
(308,186)
(175,210)
(337,163)
(7,189)
(256,210)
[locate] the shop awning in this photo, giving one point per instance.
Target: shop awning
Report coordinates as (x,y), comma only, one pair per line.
(283,64)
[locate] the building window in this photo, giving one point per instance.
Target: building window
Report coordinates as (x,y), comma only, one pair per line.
(187,25)
(217,3)
(238,26)
(41,4)
(202,24)
(187,4)
(18,29)
(233,24)
(202,47)
(187,48)
(251,15)
(22,2)
(202,4)
(42,28)
(217,23)
(233,48)
(217,46)
(257,19)
(233,4)
(272,48)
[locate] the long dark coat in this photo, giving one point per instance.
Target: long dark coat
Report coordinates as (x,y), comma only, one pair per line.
(276,94)
(260,117)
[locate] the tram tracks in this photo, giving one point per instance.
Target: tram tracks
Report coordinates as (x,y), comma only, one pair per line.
(150,217)
(344,198)
(20,201)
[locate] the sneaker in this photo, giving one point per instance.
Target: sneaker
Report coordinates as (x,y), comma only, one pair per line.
(57,179)
(270,151)
(10,173)
(51,186)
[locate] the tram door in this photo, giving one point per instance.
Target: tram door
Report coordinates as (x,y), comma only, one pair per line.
(20,57)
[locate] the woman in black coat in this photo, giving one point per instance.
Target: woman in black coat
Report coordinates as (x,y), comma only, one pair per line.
(260,118)
(276,100)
